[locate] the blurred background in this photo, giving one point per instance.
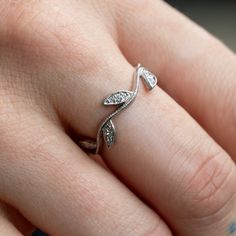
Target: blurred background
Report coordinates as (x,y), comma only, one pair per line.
(218,17)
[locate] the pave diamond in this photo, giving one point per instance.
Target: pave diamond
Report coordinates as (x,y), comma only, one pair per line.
(108,131)
(118,97)
(149,78)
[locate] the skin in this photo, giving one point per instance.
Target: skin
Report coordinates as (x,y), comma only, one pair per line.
(172,169)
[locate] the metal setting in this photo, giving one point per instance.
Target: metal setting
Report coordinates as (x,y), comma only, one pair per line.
(122,99)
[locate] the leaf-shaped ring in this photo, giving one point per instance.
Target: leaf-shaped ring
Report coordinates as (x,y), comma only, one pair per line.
(122,99)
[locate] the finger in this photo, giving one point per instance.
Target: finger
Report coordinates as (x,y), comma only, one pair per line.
(6,228)
(166,157)
(162,154)
(12,222)
(60,189)
(175,166)
(193,67)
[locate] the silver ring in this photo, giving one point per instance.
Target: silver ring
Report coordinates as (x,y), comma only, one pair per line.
(121,99)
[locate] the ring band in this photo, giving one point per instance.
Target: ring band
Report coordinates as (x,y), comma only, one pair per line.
(122,99)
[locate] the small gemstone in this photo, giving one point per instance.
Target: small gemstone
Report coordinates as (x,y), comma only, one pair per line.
(118,98)
(109,133)
(150,79)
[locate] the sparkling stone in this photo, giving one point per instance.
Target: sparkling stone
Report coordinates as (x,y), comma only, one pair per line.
(149,78)
(118,97)
(109,133)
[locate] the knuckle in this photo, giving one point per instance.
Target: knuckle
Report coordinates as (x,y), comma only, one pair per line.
(210,187)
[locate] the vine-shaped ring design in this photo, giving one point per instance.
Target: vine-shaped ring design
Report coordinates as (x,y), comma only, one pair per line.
(122,99)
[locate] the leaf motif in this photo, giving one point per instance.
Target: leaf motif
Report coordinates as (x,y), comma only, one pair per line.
(109,134)
(118,97)
(149,78)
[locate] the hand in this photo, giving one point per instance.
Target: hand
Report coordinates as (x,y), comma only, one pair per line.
(166,174)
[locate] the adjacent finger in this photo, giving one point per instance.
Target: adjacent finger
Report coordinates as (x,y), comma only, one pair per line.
(194,68)
(171,162)
(12,223)
(6,228)
(60,189)
(161,153)
(188,177)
